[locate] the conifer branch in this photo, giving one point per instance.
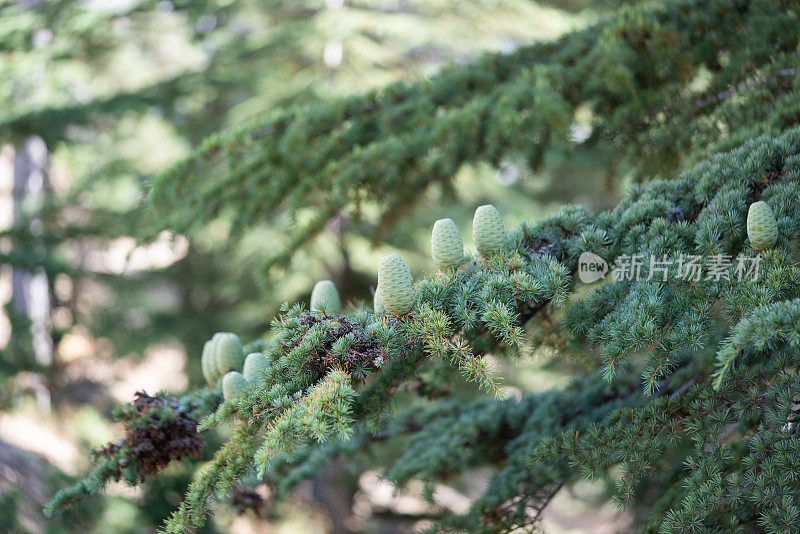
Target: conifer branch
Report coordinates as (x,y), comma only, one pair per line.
(695,383)
(395,143)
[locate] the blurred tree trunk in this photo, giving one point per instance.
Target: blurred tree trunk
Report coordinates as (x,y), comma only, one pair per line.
(334,489)
(30,295)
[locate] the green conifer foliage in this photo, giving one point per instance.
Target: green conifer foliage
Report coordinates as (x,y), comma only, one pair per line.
(254,366)
(228,352)
(629,68)
(672,383)
(325,298)
(447,248)
(397,285)
(233,384)
(762,229)
(488,230)
(682,385)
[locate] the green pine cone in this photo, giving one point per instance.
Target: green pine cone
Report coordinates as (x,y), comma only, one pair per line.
(325,298)
(762,228)
(378,301)
(228,352)
(254,366)
(447,248)
(397,285)
(488,230)
(233,384)
(209,365)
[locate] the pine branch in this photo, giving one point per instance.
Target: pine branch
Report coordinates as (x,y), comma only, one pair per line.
(396,143)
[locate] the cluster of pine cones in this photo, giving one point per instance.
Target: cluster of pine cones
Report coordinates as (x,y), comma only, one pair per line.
(223,358)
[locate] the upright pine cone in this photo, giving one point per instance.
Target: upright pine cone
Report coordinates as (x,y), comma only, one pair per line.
(396,285)
(254,366)
(209,365)
(488,230)
(762,228)
(233,384)
(325,298)
(447,248)
(377,301)
(228,352)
